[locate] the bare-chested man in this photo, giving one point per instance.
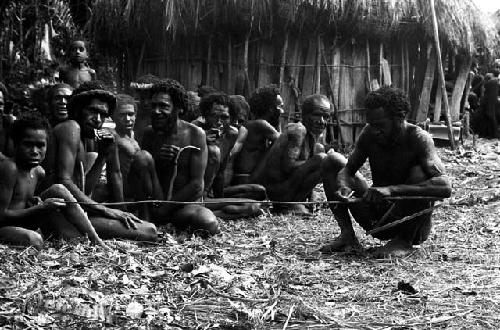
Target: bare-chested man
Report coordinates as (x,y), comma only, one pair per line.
(78,70)
(21,213)
(142,91)
(67,162)
(58,98)
(221,137)
(266,106)
(179,149)
(292,167)
(403,162)
(137,167)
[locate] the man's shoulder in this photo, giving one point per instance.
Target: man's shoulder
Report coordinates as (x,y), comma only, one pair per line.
(66,126)
(8,169)
(296,129)
(418,135)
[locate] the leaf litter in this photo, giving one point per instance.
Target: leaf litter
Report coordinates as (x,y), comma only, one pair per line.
(268,273)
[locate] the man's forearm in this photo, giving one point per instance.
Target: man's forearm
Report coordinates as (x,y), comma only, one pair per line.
(94,174)
(435,187)
(20,214)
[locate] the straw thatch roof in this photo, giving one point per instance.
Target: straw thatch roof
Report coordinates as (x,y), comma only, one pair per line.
(118,23)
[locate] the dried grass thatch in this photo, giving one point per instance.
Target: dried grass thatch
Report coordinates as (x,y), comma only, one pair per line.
(116,23)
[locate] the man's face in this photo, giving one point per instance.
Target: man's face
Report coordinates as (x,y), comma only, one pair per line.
(240,119)
(78,52)
(276,111)
(163,113)
(218,117)
(30,151)
(93,114)
(381,125)
(59,103)
(316,120)
(124,117)
(2,103)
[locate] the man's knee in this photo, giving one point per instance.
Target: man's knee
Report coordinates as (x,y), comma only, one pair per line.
(214,154)
(21,236)
(57,191)
(149,230)
(143,159)
(201,218)
(333,162)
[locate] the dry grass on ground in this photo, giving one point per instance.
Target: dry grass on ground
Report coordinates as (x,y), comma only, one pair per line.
(268,273)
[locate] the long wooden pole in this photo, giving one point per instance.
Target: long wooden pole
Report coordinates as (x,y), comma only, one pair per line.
(451,137)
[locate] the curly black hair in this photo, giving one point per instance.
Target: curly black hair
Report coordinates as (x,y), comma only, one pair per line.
(85,93)
(53,88)
(204,90)
(238,105)
(173,88)
(208,101)
(29,120)
(393,100)
(263,99)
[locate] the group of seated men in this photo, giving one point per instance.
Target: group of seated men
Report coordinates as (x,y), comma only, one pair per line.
(232,157)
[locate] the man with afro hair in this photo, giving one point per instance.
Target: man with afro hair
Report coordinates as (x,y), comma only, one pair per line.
(68,163)
(403,162)
(266,107)
(179,150)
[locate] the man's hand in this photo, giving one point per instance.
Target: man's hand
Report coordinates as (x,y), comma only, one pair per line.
(168,153)
(104,140)
(377,194)
(213,135)
(53,203)
(344,194)
(128,219)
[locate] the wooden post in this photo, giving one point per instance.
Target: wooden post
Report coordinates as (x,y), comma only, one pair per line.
(283,62)
(438,103)
(381,57)
(458,90)
(368,73)
(209,61)
(229,65)
(245,66)
(424,100)
(451,137)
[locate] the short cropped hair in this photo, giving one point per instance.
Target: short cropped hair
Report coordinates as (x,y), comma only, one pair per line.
(310,102)
(173,88)
(29,120)
(393,100)
(238,105)
(208,101)
(262,99)
(53,88)
(125,99)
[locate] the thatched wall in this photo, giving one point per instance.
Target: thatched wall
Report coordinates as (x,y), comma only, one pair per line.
(339,48)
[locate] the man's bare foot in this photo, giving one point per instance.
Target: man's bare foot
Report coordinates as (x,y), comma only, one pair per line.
(396,247)
(295,209)
(343,243)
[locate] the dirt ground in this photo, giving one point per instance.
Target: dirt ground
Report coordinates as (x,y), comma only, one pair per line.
(268,273)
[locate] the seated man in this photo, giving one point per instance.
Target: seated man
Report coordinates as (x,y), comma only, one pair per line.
(266,106)
(221,137)
(179,149)
(58,98)
(20,212)
(292,167)
(137,167)
(403,162)
(66,163)
(78,70)
(142,91)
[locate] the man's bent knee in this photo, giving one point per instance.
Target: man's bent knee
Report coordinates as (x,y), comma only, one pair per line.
(143,159)
(333,162)
(57,191)
(417,175)
(21,236)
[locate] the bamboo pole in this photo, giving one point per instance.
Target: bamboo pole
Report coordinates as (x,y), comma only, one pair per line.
(317,87)
(441,76)
(283,62)
(245,66)
(381,57)
(368,73)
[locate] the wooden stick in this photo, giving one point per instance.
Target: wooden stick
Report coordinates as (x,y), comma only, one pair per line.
(289,317)
(317,85)
(368,73)
(400,221)
(283,62)
(451,137)
(229,64)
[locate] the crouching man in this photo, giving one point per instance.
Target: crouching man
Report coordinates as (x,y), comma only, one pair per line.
(403,162)
(21,214)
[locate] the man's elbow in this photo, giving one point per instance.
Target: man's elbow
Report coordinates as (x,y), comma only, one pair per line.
(443,186)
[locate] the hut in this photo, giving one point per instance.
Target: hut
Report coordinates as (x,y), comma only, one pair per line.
(339,48)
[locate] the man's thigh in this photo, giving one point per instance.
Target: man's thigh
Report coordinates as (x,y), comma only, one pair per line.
(110,228)
(20,236)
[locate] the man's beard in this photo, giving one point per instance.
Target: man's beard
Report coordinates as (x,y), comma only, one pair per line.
(163,123)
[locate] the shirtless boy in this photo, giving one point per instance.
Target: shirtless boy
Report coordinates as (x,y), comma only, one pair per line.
(292,167)
(21,214)
(67,163)
(179,149)
(78,70)
(137,167)
(403,162)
